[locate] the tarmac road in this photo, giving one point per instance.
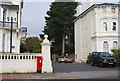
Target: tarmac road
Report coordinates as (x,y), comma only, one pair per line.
(64,70)
(66,80)
(68,67)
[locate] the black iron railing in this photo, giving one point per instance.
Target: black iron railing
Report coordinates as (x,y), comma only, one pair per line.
(8,25)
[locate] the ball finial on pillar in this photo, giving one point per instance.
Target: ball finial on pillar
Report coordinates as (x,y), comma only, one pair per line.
(45,36)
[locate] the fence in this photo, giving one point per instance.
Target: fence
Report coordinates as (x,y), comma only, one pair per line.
(18,63)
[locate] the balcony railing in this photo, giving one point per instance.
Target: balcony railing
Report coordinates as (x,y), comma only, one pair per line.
(23,29)
(8,25)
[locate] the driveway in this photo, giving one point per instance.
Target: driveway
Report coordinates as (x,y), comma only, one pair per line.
(65,70)
(68,67)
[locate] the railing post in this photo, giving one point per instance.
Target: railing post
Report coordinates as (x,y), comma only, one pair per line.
(46,63)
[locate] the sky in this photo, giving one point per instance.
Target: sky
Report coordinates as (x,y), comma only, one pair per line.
(33,14)
(33,17)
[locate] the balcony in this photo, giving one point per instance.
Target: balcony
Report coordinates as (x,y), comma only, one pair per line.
(7,25)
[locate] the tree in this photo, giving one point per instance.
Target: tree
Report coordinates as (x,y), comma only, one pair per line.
(31,44)
(59,23)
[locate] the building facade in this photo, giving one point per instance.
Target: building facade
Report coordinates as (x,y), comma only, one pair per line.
(96,30)
(10,25)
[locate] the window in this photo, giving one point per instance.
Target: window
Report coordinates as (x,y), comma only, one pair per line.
(5,14)
(113,10)
(115,46)
(114,26)
(105,26)
(105,46)
(3,43)
(104,9)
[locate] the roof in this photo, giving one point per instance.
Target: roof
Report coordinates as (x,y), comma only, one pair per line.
(91,7)
(8,3)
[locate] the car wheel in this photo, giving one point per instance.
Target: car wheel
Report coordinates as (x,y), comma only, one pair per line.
(92,63)
(113,65)
(101,64)
(66,61)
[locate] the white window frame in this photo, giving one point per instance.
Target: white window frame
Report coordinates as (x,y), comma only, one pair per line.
(104,28)
(104,9)
(107,50)
(112,10)
(113,25)
(113,44)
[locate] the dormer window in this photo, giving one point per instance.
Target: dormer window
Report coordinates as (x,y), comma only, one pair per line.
(113,10)
(104,9)
(114,26)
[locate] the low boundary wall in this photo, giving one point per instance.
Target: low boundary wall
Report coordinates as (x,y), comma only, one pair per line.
(27,62)
(18,63)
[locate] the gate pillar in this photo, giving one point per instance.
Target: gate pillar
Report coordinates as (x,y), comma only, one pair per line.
(46,63)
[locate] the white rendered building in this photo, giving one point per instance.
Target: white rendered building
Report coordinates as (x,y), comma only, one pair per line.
(10,39)
(96,30)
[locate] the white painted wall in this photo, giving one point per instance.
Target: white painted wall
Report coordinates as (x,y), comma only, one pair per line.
(12,12)
(89,32)
(27,62)
(18,64)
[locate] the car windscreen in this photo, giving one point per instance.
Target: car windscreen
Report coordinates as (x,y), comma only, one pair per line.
(105,55)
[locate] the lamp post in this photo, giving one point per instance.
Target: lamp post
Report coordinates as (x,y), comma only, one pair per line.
(11,28)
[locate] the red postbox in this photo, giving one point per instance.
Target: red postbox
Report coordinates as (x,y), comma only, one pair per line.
(39,64)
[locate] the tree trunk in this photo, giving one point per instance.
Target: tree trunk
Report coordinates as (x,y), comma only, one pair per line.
(63,46)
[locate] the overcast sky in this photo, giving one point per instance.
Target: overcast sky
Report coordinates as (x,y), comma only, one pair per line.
(34,13)
(33,17)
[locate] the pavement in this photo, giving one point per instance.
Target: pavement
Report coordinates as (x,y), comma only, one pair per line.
(70,75)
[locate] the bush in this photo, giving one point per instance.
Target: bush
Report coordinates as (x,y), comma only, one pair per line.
(88,59)
(116,55)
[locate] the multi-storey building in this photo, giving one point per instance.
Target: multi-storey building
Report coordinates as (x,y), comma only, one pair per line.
(96,29)
(10,25)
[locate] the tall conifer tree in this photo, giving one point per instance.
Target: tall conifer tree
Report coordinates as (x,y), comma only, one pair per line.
(59,25)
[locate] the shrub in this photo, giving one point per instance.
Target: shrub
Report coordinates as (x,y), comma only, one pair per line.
(88,59)
(116,55)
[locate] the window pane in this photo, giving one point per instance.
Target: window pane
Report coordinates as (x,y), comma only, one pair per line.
(105,46)
(104,9)
(113,10)
(114,26)
(105,26)
(115,46)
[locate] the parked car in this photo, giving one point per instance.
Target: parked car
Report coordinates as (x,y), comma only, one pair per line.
(102,59)
(65,59)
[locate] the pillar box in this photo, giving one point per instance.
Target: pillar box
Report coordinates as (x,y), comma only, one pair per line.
(39,64)
(46,62)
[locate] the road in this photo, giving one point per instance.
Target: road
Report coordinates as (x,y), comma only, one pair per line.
(68,67)
(84,71)
(66,80)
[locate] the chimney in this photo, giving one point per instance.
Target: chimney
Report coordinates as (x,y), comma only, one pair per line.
(89,3)
(79,9)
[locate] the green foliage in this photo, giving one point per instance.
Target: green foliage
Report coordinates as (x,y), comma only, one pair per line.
(31,44)
(88,59)
(116,55)
(59,23)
